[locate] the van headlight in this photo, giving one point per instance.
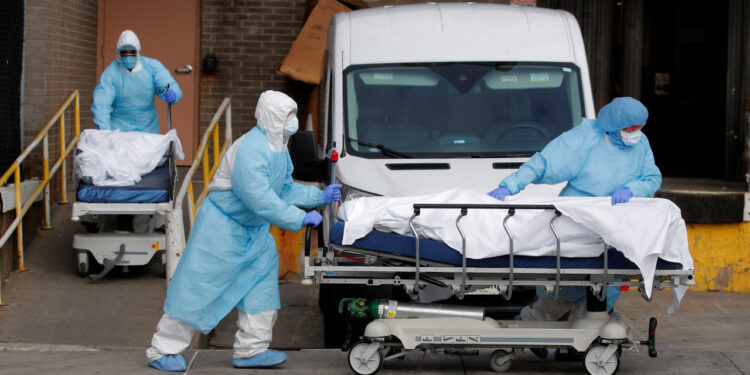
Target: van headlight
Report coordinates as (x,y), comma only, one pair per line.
(348,193)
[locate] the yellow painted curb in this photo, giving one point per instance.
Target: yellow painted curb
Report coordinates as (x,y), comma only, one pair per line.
(721,253)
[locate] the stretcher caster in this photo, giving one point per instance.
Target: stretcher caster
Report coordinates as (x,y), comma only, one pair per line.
(365,358)
(500,360)
(602,360)
(84,267)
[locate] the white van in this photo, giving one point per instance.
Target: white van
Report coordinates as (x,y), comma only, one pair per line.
(429,97)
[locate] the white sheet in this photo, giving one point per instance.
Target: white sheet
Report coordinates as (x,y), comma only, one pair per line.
(114,158)
(643,229)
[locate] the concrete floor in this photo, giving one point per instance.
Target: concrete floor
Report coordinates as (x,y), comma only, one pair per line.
(56,322)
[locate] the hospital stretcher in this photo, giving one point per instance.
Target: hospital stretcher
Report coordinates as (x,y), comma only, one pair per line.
(98,209)
(417,263)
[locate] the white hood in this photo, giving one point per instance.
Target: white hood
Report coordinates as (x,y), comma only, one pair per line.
(128,38)
(271,112)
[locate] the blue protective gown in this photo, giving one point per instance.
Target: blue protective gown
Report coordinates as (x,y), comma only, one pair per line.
(594,166)
(124,100)
(230,259)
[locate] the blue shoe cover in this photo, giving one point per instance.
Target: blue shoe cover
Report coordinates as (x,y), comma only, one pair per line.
(170,363)
(269,358)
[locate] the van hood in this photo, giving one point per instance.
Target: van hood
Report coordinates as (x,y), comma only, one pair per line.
(405,177)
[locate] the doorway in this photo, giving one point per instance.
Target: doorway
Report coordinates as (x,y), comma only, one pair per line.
(684,86)
(169,31)
(12,26)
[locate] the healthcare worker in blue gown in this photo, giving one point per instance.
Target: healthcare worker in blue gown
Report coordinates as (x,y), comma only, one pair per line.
(124,95)
(230,259)
(609,156)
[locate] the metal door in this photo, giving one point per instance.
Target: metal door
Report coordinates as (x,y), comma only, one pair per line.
(169,31)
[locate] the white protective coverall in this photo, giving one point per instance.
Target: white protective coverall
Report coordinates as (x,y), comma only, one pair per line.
(230,259)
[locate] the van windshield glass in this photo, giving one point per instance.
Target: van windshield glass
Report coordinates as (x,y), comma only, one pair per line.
(459,109)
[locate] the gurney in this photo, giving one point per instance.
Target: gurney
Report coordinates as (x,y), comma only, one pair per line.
(420,264)
(110,243)
(126,223)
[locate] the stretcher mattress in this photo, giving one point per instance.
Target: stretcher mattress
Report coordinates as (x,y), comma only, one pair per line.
(153,188)
(440,252)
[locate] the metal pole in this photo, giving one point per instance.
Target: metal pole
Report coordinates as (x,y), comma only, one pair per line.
(19,216)
(45,162)
(175,240)
(63,185)
(77,116)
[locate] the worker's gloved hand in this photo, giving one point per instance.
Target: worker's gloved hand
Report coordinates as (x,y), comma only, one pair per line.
(500,193)
(170,96)
(621,196)
(332,192)
(312,217)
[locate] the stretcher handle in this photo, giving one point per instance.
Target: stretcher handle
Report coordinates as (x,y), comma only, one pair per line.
(508,293)
(417,284)
(556,292)
(308,235)
(484,206)
(464,288)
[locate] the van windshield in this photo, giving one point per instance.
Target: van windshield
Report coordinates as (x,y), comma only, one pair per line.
(439,110)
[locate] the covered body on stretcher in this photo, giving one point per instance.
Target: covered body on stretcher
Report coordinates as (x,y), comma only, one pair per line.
(125,219)
(480,245)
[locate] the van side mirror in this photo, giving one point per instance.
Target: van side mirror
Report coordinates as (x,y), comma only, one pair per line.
(304,155)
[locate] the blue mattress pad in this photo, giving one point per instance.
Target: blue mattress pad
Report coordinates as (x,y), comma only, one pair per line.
(440,252)
(153,188)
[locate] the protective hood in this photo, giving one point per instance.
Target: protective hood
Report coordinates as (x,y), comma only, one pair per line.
(271,112)
(128,38)
(621,113)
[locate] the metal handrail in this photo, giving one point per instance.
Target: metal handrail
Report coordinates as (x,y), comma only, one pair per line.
(15,170)
(202,158)
(175,231)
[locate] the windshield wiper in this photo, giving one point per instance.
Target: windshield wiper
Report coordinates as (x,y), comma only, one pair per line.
(383,149)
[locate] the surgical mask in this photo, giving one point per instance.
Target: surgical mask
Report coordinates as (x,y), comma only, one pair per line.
(128,62)
(631,138)
(292,124)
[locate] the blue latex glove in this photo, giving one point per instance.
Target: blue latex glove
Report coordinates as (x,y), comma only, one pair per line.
(170,363)
(621,196)
(312,217)
(332,192)
(170,96)
(499,193)
(268,358)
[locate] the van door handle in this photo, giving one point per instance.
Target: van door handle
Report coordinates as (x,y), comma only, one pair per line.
(187,69)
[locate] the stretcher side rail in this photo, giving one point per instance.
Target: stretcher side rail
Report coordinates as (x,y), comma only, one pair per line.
(464,208)
(488,277)
(85,208)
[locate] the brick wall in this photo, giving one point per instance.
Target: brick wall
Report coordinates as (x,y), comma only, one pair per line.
(59,57)
(250,39)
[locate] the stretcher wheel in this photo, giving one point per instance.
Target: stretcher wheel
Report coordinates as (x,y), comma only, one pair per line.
(596,365)
(500,360)
(363,360)
(84,267)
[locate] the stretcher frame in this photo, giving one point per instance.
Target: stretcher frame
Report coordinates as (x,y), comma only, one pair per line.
(127,249)
(341,264)
(601,336)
